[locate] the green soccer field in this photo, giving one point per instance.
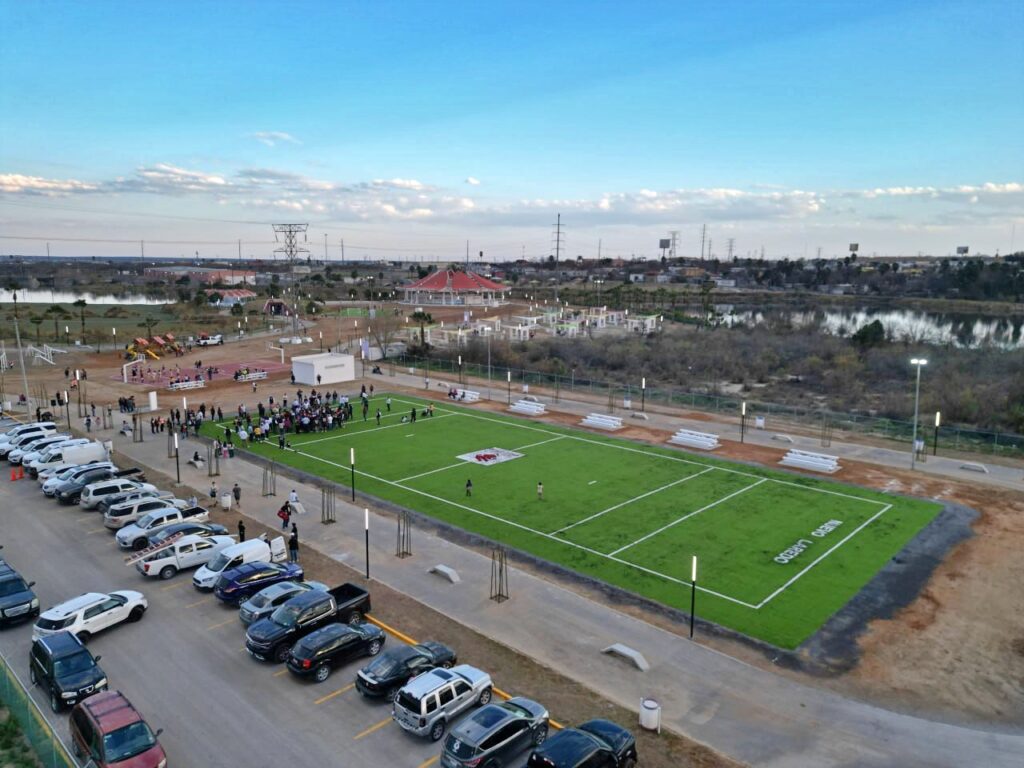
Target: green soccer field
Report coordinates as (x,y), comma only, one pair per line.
(777,553)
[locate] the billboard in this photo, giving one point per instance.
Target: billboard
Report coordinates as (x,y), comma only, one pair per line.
(854,247)
(664,244)
(962,250)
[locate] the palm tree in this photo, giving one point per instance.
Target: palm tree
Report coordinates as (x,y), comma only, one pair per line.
(80,303)
(422,318)
(148,323)
(36,320)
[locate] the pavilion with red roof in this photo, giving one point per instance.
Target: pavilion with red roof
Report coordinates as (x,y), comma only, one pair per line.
(455,287)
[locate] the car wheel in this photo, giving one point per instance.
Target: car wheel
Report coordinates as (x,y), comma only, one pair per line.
(54,702)
(136,613)
(374,648)
(281,654)
(167,572)
(84,637)
(391,695)
(540,736)
(139,544)
(485,697)
(437,730)
(322,673)
(355,618)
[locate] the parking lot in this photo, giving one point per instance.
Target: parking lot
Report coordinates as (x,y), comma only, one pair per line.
(184,664)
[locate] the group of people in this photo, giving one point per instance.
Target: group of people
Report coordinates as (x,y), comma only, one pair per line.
(246,371)
(126,404)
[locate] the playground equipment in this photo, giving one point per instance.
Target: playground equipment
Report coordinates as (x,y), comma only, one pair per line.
(43,354)
(140,346)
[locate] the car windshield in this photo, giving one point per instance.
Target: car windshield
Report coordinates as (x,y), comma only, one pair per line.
(45,623)
(217,564)
(145,521)
(73,664)
(386,665)
(127,742)
(12,587)
(286,615)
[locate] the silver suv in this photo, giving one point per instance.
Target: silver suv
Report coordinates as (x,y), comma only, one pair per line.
(496,734)
(428,702)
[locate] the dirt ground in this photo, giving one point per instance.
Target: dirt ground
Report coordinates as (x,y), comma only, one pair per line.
(956,652)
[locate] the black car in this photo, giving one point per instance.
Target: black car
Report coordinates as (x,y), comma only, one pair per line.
(238,584)
(187,529)
(66,669)
(386,674)
(316,654)
(70,491)
(17,600)
(594,743)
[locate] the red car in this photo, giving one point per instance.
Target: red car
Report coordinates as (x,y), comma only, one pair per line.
(109,731)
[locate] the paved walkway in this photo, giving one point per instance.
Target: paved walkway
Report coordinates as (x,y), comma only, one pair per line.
(747,713)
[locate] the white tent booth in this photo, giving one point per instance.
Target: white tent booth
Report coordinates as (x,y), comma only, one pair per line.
(331,367)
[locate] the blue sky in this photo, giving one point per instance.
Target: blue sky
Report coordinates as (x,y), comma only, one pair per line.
(417,126)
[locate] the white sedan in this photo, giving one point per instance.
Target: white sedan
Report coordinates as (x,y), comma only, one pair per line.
(90,613)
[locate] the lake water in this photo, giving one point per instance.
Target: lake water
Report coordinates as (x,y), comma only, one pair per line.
(961,330)
(41,296)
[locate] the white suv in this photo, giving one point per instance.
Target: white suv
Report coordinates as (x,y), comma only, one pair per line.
(87,614)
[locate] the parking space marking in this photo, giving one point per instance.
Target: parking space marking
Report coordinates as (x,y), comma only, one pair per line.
(197,602)
(427,763)
(372,729)
(220,624)
(338,692)
(173,586)
(95,530)
(281,672)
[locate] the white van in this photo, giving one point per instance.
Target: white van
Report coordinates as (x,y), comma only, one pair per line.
(186,552)
(42,447)
(50,456)
(252,551)
(71,455)
(86,454)
(94,493)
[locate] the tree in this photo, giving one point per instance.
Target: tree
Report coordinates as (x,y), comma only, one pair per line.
(383,328)
(148,322)
(80,303)
(423,318)
(870,335)
(36,320)
(213,297)
(56,311)
(237,309)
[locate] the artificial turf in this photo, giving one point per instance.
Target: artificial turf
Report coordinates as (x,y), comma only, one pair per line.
(627,513)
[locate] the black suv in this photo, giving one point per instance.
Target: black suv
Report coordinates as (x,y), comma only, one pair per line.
(65,669)
(316,654)
(70,491)
(594,744)
(386,674)
(17,600)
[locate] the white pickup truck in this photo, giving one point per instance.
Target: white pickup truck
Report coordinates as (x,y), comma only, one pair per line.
(211,340)
(136,536)
(178,554)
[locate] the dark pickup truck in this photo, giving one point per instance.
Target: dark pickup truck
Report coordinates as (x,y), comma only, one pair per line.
(270,639)
(17,600)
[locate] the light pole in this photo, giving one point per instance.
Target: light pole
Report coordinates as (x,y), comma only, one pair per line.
(321,341)
(67,407)
(743,420)
(67,336)
(693,594)
(460,369)
(643,394)
(113,332)
(366,528)
(920,362)
(352,463)
(177,464)
(508,375)
(935,442)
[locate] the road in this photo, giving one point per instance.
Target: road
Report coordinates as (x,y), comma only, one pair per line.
(184,665)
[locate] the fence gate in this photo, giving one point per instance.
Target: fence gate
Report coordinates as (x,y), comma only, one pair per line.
(212,461)
(403,545)
(499,574)
(270,479)
(327,514)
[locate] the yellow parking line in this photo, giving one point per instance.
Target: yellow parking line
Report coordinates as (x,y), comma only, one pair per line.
(197,602)
(95,530)
(282,672)
(427,763)
(371,729)
(338,692)
(172,586)
(220,624)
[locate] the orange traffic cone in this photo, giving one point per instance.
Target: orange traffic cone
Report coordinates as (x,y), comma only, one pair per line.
(21,471)
(14,474)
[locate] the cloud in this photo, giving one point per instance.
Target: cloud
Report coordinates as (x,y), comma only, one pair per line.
(273,138)
(472,181)
(16,183)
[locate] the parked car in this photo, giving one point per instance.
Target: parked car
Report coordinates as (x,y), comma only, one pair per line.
(128,512)
(251,551)
(188,529)
(123,498)
(238,584)
(496,734)
(17,600)
(266,601)
(87,614)
(65,669)
(593,743)
(49,455)
(74,454)
(318,653)
(34,446)
(270,639)
(23,440)
(51,484)
(108,731)
(189,551)
(428,702)
(37,428)
(385,675)
(136,535)
(94,493)
(70,491)
(211,340)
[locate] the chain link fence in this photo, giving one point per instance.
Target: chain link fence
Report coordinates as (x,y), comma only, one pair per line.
(46,744)
(947,436)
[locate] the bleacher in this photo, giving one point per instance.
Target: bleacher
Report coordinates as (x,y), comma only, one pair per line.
(815,462)
(467,396)
(602,421)
(179,385)
(692,439)
(252,376)
(527,408)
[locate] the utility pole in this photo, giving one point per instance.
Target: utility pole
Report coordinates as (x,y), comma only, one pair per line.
(762,251)
(343,250)
(674,234)
(558,250)
(291,248)
(710,255)
(599,249)
(325,247)
(819,253)
(731,245)
(703,237)
(142,248)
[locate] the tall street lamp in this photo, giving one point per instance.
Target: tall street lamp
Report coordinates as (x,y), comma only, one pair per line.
(643,394)
(743,420)
(177,464)
(920,362)
(366,528)
(352,463)
(460,369)
(693,593)
(67,407)
(113,332)
(508,375)
(935,442)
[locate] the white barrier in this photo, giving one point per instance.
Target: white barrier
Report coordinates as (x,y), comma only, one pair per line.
(179,385)
(601,421)
(691,439)
(527,408)
(467,396)
(815,462)
(253,376)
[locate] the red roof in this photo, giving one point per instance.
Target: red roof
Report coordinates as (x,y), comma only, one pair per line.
(457,281)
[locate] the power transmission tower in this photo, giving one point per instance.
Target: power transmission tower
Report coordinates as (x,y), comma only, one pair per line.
(703,238)
(291,248)
(559,243)
(731,244)
(674,234)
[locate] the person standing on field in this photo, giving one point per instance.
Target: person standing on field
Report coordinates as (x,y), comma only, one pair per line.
(469,487)
(540,491)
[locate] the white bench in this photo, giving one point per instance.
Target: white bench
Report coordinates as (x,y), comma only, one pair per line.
(601,421)
(527,408)
(446,572)
(691,439)
(186,385)
(252,376)
(628,654)
(467,396)
(815,462)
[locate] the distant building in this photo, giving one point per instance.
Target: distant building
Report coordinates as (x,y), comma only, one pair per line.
(202,275)
(454,287)
(231,296)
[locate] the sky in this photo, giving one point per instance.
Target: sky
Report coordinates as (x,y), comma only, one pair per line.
(426,129)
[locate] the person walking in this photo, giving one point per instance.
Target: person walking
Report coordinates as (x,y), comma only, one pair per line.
(237,493)
(540,491)
(293,545)
(469,487)
(293,501)
(388,404)
(241,531)
(213,491)
(88,423)
(285,513)
(378,417)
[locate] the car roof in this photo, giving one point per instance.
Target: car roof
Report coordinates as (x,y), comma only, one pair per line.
(74,605)
(111,710)
(566,745)
(281,588)
(61,644)
(305,599)
(611,733)
(435,678)
(482,723)
(328,633)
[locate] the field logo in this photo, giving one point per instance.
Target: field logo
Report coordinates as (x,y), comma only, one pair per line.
(489,456)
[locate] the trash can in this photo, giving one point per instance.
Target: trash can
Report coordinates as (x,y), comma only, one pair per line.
(225,501)
(650,715)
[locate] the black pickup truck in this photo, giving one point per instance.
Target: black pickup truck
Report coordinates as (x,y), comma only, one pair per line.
(270,639)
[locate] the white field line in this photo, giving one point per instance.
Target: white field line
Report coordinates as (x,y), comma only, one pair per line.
(826,553)
(691,514)
(542,442)
(533,531)
(355,433)
(432,471)
(630,501)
